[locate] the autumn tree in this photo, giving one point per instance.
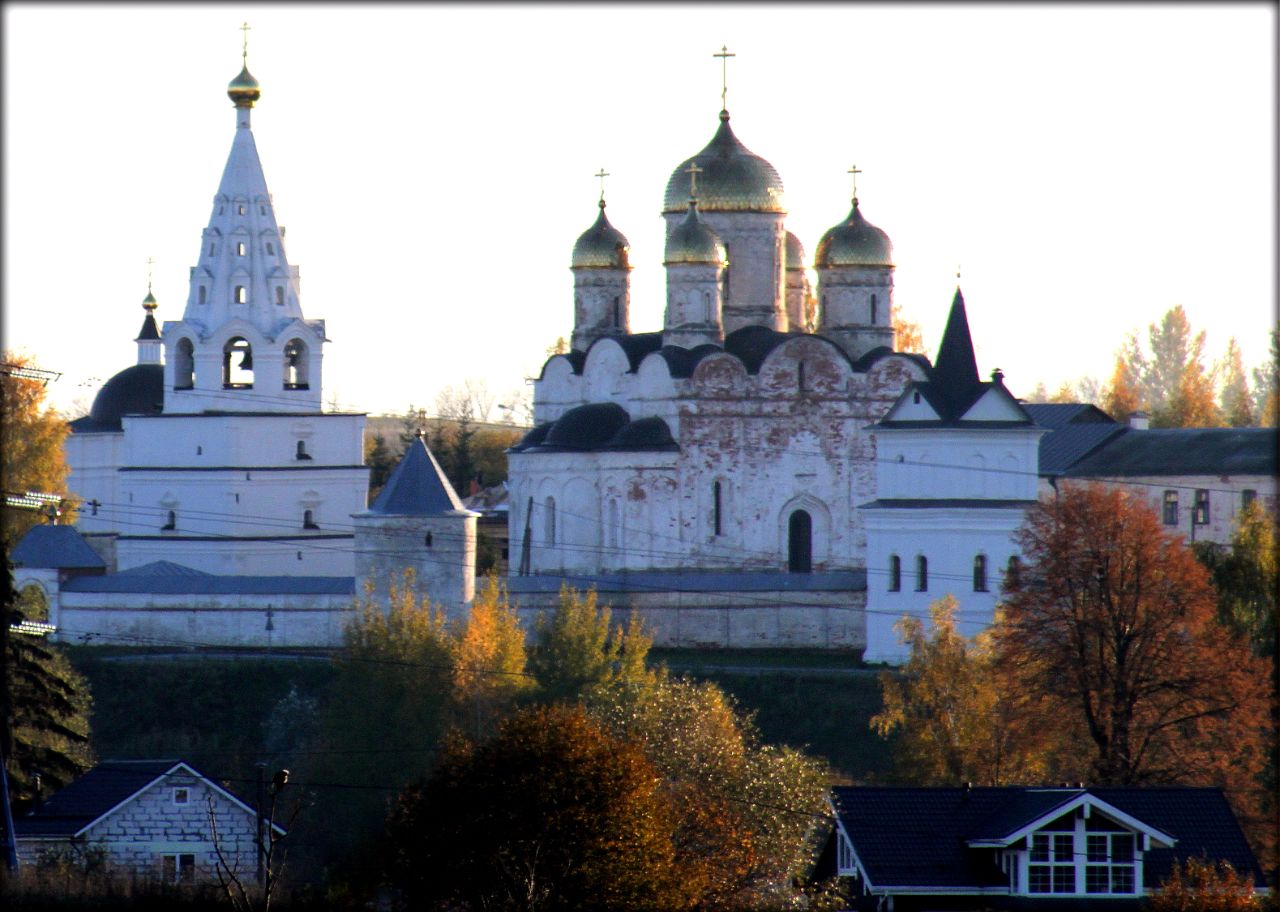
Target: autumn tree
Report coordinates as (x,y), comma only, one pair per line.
(31,457)
(1236,399)
(1113,623)
(1121,396)
(1171,379)
(1266,385)
(746,812)
(1200,885)
(381,462)
(907,335)
(488,661)
(948,716)
(1245,577)
(576,647)
(552,813)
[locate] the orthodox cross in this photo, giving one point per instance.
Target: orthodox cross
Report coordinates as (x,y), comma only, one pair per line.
(693,171)
(149,262)
(602,174)
(244,50)
(724,56)
(855,172)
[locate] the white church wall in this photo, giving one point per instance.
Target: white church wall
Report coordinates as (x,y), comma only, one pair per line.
(94,459)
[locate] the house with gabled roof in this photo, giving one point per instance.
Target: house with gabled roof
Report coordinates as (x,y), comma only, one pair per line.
(152,819)
(907,849)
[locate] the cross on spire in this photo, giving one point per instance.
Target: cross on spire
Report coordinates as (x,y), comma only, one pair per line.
(149,262)
(693,171)
(724,56)
(244,50)
(602,174)
(855,171)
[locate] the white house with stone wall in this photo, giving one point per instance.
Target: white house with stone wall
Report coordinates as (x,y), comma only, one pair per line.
(150,819)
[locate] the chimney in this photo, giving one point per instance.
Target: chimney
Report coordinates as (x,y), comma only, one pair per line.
(1139,421)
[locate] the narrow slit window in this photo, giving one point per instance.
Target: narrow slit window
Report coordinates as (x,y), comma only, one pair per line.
(309,520)
(171,522)
(895,573)
(202,295)
(240,210)
(922,574)
(1202,507)
(242,295)
(240,248)
(429,540)
(271,250)
(980,573)
(716,504)
(211,248)
(873,309)
(800,376)
(280,295)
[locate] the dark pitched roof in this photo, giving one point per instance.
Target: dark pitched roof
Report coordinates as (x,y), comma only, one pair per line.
(89,797)
(417,486)
(1182,451)
(149,332)
(56,547)
(919,837)
(1075,430)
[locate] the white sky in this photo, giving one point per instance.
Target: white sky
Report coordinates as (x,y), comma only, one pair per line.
(1088,166)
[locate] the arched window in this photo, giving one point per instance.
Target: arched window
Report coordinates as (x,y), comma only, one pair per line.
(717,505)
(979,573)
(171,522)
(302,450)
(241,295)
(295,365)
(240,210)
(240,248)
(271,250)
(1012,570)
(309,520)
(549,521)
(922,573)
(800,542)
(895,573)
(237,374)
(184,365)
(873,308)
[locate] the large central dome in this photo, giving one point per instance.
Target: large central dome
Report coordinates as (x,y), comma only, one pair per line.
(732,179)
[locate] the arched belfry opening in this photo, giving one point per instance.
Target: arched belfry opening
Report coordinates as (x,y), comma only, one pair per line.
(184,365)
(800,542)
(237,364)
(295,365)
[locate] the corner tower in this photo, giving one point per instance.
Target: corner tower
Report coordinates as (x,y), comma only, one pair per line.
(242,343)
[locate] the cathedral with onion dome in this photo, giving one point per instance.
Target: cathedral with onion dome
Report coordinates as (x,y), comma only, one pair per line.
(709,474)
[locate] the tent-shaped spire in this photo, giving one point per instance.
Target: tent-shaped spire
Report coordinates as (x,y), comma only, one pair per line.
(956,369)
(418,486)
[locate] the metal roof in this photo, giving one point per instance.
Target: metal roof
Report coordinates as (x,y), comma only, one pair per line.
(55,547)
(1182,451)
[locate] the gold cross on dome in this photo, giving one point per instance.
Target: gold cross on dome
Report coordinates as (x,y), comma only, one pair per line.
(149,262)
(724,56)
(693,171)
(244,50)
(602,174)
(855,172)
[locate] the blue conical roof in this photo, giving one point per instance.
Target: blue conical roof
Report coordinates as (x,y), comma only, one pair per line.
(418,486)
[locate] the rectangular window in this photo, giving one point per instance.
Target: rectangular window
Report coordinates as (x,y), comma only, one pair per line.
(1039,847)
(1038,879)
(1122,848)
(922,574)
(240,248)
(181,796)
(179,868)
(1097,847)
(1247,496)
(1097,879)
(1170,508)
(1122,879)
(1063,850)
(895,573)
(980,573)
(1064,878)
(1202,507)
(715,507)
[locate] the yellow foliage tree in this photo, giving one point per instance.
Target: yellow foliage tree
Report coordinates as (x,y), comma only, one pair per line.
(488,660)
(907,336)
(31,458)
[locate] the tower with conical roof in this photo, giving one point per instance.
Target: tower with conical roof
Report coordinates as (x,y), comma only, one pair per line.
(242,343)
(854,262)
(601,282)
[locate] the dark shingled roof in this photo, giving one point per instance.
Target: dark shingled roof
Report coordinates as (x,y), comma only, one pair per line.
(917,837)
(89,797)
(417,486)
(1075,430)
(137,390)
(55,547)
(1182,451)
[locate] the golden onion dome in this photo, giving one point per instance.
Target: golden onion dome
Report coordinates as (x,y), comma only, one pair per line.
(692,242)
(601,246)
(149,302)
(854,242)
(244,89)
(795,252)
(732,179)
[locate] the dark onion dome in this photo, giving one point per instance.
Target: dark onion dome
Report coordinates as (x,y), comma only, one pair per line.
(795,252)
(586,427)
(854,242)
(643,434)
(732,179)
(137,390)
(601,246)
(693,242)
(244,89)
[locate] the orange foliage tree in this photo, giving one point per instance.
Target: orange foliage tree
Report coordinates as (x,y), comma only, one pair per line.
(1114,622)
(31,436)
(1201,886)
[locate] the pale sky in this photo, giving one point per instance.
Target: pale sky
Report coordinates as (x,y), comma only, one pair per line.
(1087,167)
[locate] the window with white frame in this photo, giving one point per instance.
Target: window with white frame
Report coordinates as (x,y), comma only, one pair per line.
(182,795)
(1079,856)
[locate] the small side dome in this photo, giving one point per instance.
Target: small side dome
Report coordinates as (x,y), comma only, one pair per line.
(586,427)
(244,89)
(732,179)
(693,242)
(795,252)
(643,434)
(601,247)
(149,302)
(137,390)
(854,242)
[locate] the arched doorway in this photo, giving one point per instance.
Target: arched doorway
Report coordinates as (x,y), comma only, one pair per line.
(800,542)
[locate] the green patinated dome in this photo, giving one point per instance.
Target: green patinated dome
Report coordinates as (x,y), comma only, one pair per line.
(244,89)
(795,252)
(854,242)
(693,242)
(732,179)
(601,246)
